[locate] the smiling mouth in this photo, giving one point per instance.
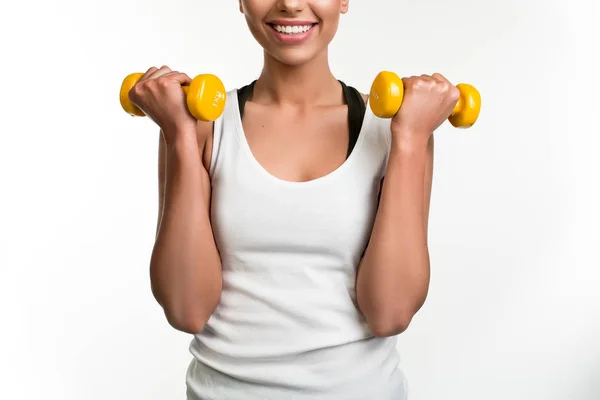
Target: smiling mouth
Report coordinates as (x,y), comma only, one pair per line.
(292,29)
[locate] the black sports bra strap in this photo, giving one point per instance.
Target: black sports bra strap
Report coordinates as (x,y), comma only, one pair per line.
(243,94)
(356,114)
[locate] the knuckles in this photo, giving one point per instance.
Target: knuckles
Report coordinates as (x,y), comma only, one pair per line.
(136,92)
(139,90)
(435,84)
(149,86)
(163,82)
(454,93)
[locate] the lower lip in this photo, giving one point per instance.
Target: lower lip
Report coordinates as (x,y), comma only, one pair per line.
(293,38)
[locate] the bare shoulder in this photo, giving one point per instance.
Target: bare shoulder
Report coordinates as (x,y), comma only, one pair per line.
(204,135)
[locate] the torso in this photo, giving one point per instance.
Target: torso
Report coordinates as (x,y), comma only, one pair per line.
(291,214)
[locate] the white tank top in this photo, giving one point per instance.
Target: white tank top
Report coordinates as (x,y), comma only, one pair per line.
(288,325)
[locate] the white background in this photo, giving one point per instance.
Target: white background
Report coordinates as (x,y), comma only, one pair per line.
(514,306)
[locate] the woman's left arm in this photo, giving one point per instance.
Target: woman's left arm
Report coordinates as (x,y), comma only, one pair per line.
(393,276)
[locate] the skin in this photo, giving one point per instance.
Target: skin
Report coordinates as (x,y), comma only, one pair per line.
(296,126)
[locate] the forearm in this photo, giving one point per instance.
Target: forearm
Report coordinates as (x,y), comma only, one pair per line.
(393,277)
(185,266)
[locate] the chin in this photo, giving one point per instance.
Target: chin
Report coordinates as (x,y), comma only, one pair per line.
(294,57)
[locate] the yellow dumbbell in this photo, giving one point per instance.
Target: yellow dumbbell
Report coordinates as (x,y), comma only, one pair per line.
(206,96)
(387,93)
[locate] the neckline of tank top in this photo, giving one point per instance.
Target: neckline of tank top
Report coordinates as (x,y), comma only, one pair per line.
(242,140)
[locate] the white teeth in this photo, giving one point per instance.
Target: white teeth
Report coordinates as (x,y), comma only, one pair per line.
(290,30)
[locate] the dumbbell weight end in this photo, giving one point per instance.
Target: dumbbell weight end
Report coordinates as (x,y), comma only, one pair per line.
(467,109)
(128,83)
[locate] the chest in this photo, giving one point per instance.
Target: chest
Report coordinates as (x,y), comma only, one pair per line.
(297,145)
(256,219)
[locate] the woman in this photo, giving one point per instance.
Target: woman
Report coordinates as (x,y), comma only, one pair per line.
(279,245)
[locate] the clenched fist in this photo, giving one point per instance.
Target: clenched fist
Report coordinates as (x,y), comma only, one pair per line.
(428,102)
(160,96)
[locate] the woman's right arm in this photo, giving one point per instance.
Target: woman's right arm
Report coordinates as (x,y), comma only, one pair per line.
(185,267)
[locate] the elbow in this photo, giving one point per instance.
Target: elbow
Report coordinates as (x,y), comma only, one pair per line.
(187,308)
(191,323)
(190,316)
(389,323)
(392,318)
(187,315)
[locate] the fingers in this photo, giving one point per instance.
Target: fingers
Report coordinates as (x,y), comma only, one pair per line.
(435,78)
(154,73)
(430,79)
(448,86)
(445,83)
(441,79)
(173,77)
(421,81)
(410,80)
(435,82)
(180,77)
(159,72)
(148,73)
(165,76)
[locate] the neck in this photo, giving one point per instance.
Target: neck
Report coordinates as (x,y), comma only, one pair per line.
(300,85)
